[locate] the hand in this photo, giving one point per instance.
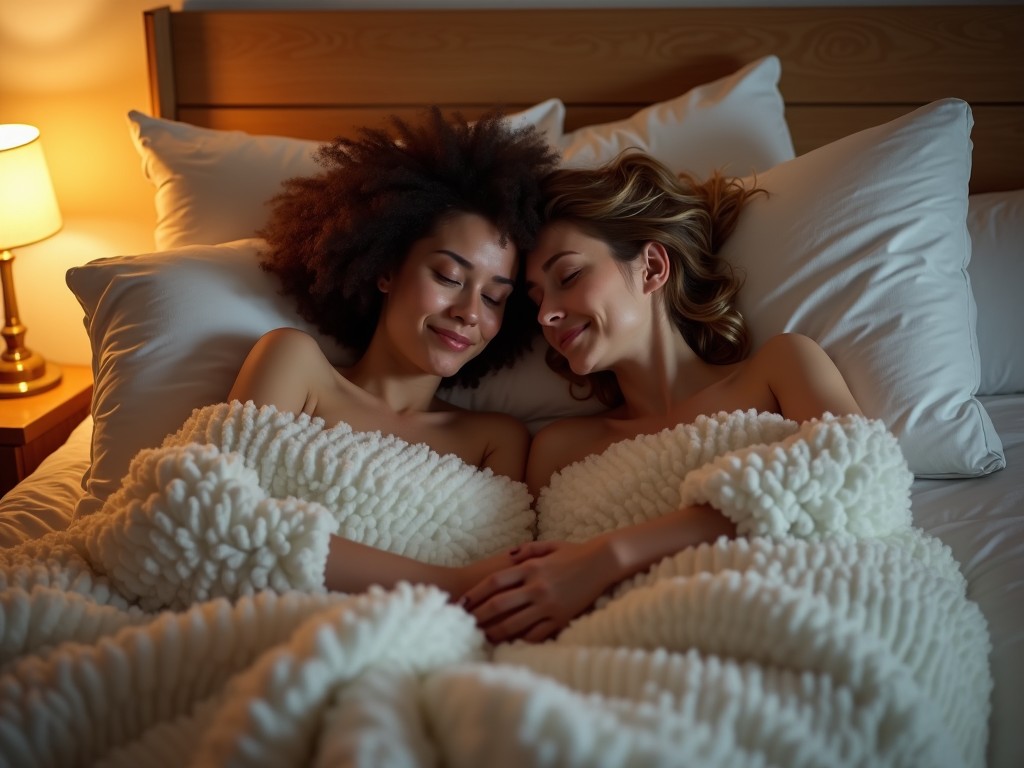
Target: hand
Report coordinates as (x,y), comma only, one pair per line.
(533,600)
(461,580)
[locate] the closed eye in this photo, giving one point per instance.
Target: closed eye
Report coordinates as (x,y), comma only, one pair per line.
(569,278)
(445,280)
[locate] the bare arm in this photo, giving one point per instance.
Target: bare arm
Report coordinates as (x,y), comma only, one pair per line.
(553,583)
(354,567)
(538,597)
(287,369)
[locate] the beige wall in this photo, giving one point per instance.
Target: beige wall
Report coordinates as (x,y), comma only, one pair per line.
(74,68)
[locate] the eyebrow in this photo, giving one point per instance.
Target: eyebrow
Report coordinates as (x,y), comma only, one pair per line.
(466,263)
(550,261)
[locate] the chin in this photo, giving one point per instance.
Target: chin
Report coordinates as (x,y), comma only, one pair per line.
(581,367)
(448,368)
(445,371)
(586,364)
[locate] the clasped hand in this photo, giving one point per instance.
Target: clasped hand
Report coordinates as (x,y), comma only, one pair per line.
(547,585)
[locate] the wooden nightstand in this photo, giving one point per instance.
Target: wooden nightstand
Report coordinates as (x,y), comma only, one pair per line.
(32,427)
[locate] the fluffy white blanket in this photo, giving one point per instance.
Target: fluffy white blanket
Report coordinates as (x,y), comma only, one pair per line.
(186,624)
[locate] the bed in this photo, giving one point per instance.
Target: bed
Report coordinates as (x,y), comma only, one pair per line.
(891,140)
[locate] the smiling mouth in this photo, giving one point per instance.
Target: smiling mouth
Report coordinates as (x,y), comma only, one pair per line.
(572,335)
(452,340)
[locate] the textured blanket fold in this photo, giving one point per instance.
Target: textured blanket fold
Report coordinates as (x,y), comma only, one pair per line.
(834,633)
(774,477)
(837,634)
(242,499)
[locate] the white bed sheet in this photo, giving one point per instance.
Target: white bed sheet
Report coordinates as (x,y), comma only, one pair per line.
(981,519)
(45,500)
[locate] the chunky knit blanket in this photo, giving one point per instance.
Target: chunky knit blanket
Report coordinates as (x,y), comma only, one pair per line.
(185,624)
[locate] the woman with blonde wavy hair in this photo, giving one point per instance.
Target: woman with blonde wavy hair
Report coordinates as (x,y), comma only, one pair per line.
(639,309)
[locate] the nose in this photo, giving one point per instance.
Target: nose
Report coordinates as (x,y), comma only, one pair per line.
(548,313)
(467,308)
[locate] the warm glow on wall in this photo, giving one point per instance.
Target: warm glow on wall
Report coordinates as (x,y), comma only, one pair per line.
(48,308)
(61,45)
(74,68)
(48,23)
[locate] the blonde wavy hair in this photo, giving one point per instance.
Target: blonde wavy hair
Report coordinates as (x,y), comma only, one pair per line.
(634,200)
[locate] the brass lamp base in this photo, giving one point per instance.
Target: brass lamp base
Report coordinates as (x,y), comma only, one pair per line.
(27,376)
(22,371)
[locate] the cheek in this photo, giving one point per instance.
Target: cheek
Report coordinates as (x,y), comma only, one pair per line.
(621,306)
(422,297)
(491,325)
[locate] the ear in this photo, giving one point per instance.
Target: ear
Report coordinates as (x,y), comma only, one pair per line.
(655,266)
(384,283)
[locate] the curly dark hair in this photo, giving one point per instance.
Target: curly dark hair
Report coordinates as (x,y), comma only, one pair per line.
(331,236)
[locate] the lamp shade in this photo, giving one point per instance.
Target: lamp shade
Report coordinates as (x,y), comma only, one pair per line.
(28,205)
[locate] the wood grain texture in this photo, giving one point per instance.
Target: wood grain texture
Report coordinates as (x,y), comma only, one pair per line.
(829,55)
(317,74)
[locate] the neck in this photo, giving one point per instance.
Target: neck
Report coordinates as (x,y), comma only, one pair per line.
(665,373)
(398,386)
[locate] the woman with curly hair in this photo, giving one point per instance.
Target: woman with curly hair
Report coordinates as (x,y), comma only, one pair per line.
(638,307)
(407,249)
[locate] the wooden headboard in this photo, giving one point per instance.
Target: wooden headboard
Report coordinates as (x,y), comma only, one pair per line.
(318,74)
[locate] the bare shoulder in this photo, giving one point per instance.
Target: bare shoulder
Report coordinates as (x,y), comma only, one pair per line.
(561,443)
(503,426)
(792,355)
(803,378)
(503,439)
(281,369)
(793,347)
(287,345)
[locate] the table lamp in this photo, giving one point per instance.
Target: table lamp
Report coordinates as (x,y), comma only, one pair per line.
(28,214)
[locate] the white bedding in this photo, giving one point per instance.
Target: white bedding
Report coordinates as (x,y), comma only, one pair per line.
(981,519)
(45,500)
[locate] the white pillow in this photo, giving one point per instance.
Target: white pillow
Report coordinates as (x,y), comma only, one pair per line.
(736,124)
(213,186)
(996,223)
(863,245)
(169,332)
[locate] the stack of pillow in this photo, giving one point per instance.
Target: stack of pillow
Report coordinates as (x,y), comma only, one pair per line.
(863,244)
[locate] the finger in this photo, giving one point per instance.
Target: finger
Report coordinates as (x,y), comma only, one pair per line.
(533,549)
(515,625)
(543,630)
(494,608)
(497,582)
